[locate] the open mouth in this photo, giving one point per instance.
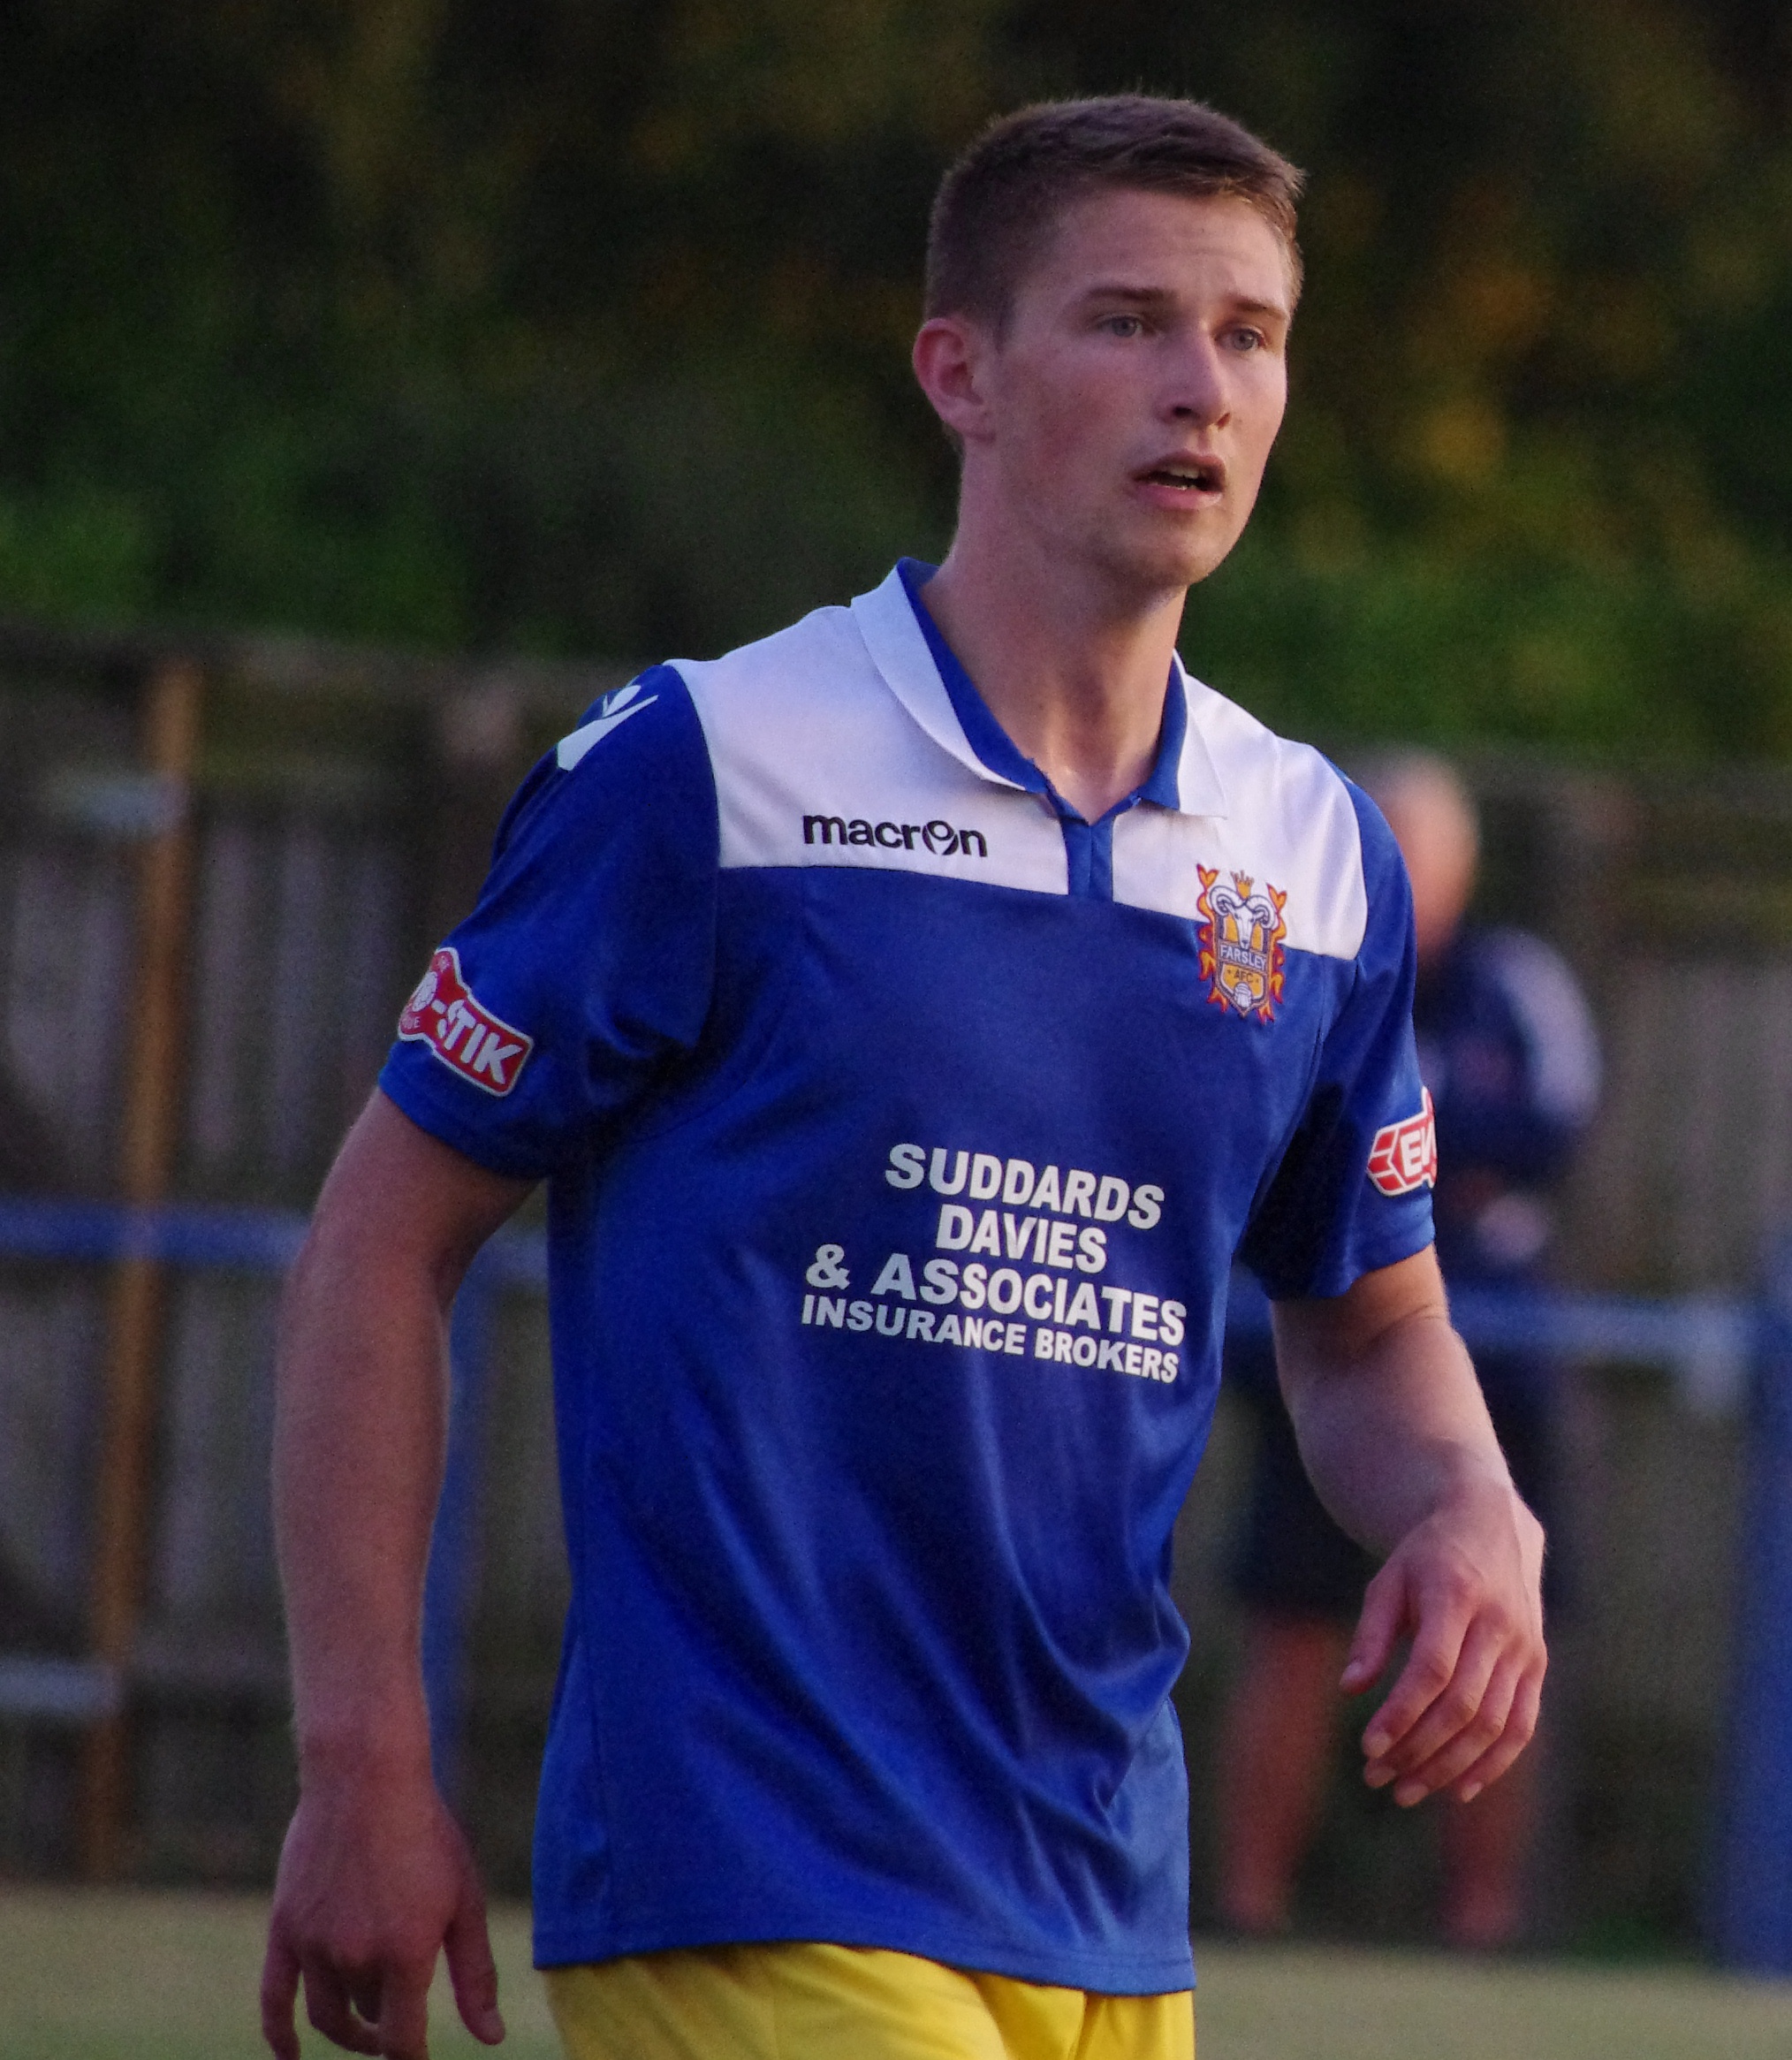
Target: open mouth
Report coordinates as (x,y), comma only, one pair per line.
(1190,475)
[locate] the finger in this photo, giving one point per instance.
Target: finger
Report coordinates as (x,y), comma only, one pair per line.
(472,1969)
(1469,1746)
(403,2015)
(1521,1728)
(1427,1673)
(1454,1709)
(279,1992)
(1378,1632)
(328,2007)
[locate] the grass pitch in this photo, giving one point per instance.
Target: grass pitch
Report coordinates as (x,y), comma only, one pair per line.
(129,1976)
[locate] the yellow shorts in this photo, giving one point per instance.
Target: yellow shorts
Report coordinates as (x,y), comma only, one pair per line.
(847,2003)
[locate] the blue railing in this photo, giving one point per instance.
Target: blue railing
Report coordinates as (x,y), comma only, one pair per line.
(1722,1351)
(266,1242)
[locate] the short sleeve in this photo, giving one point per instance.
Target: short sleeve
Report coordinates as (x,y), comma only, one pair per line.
(1353,1190)
(587,964)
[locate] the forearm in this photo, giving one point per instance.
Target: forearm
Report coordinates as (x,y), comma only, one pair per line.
(1397,1440)
(357,1469)
(360,1427)
(374,1877)
(1391,1428)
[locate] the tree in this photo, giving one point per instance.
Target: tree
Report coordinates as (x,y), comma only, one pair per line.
(584,326)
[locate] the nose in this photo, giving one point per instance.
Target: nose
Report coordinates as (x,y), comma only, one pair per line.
(1198,390)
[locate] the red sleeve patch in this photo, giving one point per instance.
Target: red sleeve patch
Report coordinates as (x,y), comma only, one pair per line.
(1404,1156)
(460,1031)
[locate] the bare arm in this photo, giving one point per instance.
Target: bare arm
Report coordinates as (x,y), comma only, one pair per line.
(1396,1438)
(375,1878)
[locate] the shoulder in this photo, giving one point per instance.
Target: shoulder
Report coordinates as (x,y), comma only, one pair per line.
(808,651)
(1335,852)
(802,694)
(635,756)
(658,687)
(769,694)
(1529,979)
(1517,960)
(1530,982)
(696,696)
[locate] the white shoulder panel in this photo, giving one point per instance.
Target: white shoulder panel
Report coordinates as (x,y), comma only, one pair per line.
(818,762)
(1290,823)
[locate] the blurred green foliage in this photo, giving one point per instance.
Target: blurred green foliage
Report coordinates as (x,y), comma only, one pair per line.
(581,325)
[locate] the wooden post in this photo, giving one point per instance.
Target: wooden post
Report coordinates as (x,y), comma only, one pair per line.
(136,1307)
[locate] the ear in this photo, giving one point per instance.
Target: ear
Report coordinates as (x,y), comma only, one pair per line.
(952,358)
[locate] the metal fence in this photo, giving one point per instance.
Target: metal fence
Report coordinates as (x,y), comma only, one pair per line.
(221,864)
(1720,1349)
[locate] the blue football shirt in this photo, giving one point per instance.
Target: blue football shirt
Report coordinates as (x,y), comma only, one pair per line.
(900,1130)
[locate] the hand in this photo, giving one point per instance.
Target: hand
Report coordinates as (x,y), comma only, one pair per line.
(1465,1585)
(375,1880)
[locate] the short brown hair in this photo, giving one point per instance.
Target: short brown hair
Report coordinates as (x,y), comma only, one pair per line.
(1000,200)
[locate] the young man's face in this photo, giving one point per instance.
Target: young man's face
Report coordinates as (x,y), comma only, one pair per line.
(1130,406)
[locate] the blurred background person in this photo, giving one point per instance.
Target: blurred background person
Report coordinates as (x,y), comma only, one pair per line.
(1508,1051)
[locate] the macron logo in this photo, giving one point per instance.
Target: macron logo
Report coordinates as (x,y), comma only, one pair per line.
(464,1034)
(938,837)
(612,711)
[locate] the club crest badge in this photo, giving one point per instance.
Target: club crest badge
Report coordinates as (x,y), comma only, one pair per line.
(1240,935)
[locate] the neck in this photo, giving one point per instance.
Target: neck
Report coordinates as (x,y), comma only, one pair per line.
(1074,669)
